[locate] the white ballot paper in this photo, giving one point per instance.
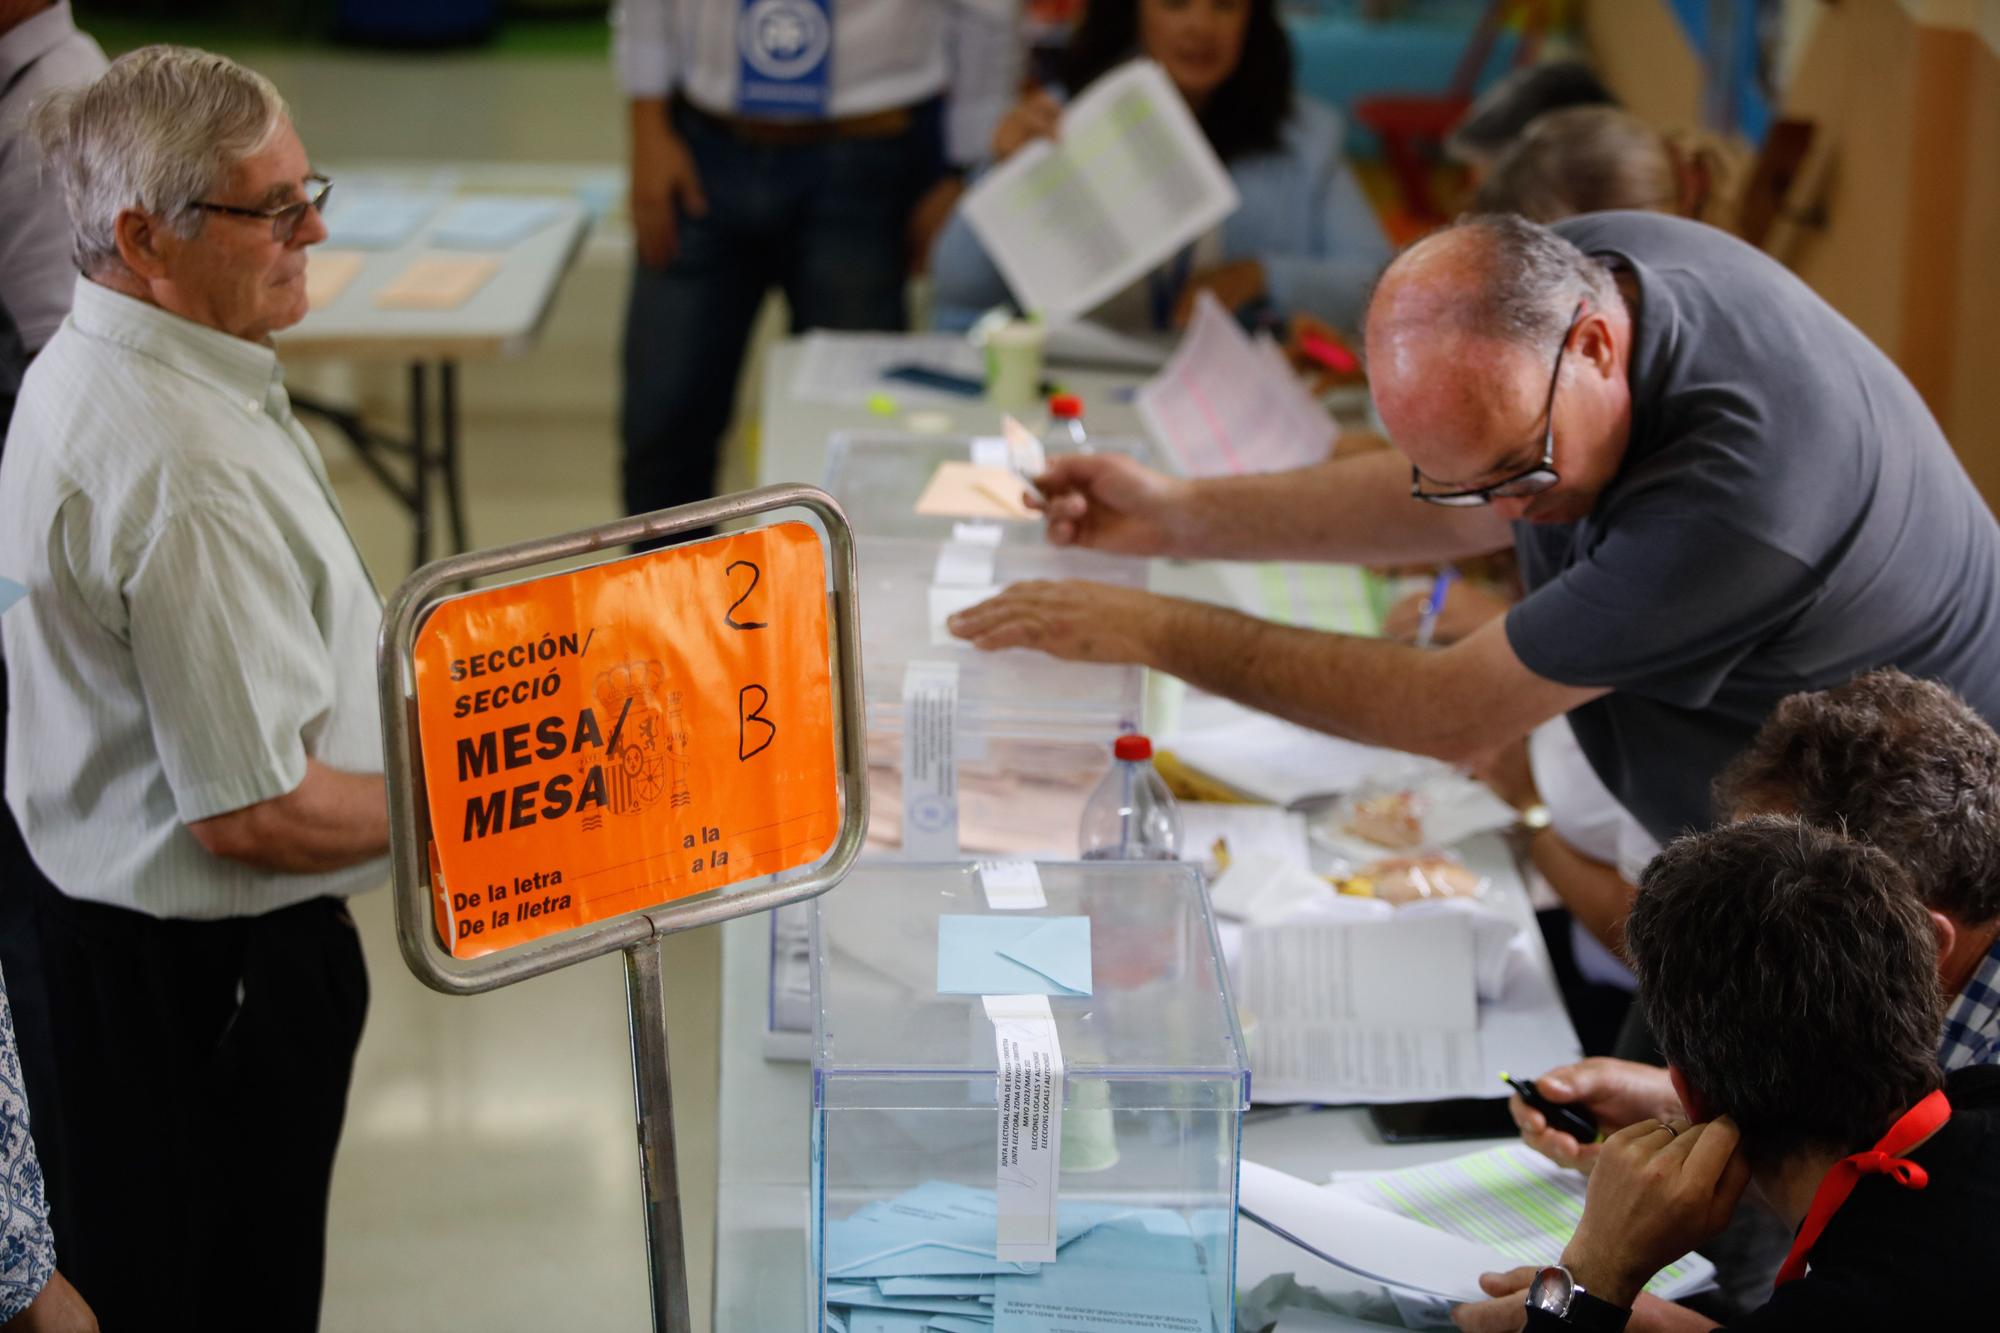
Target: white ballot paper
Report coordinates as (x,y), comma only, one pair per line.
(1361,1012)
(1132,180)
(1029,1097)
(1225,405)
(1368,1242)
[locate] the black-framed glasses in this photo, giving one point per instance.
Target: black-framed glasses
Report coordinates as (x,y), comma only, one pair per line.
(1530,481)
(285,218)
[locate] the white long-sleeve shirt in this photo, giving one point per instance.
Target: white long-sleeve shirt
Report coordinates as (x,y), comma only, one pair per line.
(886,54)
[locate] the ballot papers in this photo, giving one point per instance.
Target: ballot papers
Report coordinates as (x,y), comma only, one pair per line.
(925,1260)
(1226,405)
(1510,1198)
(1131,180)
(1372,1011)
(1369,1242)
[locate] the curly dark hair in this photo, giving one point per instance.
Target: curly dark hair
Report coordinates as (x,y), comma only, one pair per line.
(1791,976)
(1247,113)
(1904,764)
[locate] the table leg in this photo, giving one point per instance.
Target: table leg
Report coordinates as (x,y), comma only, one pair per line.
(420,459)
(454,489)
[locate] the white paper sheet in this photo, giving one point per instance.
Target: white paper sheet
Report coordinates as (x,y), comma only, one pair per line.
(1509,1197)
(1224,406)
(846,369)
(1269,831)
(1361,1012)
(1269,758)
(1132,180)
(1367,1241)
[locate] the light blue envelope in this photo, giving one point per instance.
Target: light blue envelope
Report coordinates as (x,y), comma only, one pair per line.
(1014,955)
(376,219)
(493,222)
(1069,1298)
(936,1286)
(10,593)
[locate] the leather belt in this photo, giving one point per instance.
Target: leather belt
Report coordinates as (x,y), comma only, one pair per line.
(802,133)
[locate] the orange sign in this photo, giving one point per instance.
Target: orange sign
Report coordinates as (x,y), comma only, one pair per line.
(605,741)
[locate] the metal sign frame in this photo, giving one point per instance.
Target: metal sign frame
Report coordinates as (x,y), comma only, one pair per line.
(638,934)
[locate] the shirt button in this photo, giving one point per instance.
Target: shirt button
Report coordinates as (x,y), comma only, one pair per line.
(250,406)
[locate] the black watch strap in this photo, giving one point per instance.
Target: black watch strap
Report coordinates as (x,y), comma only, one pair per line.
(1591,1315)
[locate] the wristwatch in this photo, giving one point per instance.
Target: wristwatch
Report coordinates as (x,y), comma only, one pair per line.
(1555,1292)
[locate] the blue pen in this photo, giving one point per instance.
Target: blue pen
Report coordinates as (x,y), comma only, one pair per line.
(1434,606)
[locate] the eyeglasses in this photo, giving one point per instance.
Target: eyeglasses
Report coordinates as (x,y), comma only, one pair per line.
(1532,481)
(285,218)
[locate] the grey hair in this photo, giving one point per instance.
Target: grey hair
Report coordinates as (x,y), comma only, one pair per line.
(1530,281)
(156,131)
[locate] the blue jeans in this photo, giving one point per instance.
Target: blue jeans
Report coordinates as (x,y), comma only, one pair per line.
(824,222)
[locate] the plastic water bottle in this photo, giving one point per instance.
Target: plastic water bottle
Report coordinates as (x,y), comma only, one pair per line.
(1131,816)
(1063,431)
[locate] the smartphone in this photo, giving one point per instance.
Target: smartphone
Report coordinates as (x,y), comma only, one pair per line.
(942,380)
(1574,1121)
(1432,1122)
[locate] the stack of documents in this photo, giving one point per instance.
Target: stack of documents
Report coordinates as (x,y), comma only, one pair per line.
(924,1263)
(1510,1198)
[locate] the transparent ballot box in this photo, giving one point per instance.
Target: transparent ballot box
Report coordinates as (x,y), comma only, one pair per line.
(881,477)
(938,1162)
(1031,734)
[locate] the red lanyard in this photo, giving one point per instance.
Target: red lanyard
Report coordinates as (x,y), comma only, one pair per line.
(1918,1123)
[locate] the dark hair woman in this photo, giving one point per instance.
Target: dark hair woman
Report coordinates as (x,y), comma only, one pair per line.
(1304,238)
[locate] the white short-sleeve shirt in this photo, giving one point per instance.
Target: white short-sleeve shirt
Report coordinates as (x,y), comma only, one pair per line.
(198,622)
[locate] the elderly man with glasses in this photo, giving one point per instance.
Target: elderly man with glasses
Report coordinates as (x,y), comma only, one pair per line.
(1720,492)
(195,756)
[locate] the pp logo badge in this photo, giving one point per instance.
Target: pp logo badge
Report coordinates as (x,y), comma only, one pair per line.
(784,39)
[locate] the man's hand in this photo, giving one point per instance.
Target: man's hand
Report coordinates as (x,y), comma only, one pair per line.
(1036,116)
(1235,284)
(1659,1190)
(1072,619)
(58,1309)
(1111,503)
(1507,1310)
(665,184)
(1618,1092)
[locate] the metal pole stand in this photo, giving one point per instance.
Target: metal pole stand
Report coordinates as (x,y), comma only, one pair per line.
(653,1102)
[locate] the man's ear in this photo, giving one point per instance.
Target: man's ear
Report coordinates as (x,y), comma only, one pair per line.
(139,238)
(1697,1107)
(1593,343)
(1947,937)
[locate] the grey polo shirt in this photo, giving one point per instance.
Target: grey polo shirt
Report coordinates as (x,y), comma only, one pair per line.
(197,622)
(36,264)
(1788,514)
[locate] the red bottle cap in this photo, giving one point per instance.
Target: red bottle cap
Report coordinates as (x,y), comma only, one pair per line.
(1132,747)
(1065,406)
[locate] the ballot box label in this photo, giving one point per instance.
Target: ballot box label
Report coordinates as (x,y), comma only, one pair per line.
(607,740)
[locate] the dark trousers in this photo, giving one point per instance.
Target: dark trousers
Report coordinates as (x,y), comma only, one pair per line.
(202,1070)
(825,222)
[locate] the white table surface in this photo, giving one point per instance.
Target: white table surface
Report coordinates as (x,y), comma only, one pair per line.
(765,1112)
(501,319)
